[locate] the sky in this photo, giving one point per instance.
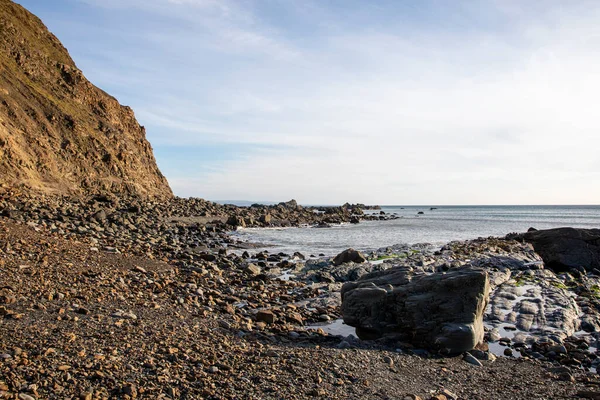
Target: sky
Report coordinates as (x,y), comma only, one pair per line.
(334,101)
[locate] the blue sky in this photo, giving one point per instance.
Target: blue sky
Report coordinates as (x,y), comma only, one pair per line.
(388,102)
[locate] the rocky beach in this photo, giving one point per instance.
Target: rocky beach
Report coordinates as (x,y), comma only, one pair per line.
(111,287)
(131,299)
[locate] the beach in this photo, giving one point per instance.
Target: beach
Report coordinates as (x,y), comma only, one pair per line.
(102,310)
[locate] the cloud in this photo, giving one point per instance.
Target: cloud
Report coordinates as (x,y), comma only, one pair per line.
(474,102)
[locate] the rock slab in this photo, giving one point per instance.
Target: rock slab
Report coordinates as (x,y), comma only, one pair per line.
(442,312)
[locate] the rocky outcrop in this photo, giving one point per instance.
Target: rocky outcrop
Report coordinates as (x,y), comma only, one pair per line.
(443,312)
(58,132)
(564,249)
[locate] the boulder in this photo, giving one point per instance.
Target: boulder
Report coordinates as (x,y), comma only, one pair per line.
(564,249)
(349,255)
(441,312)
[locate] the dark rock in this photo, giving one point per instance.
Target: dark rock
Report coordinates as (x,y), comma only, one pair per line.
(266,316)
(292,204)
(565,249)
(349,255)
(208,257)
(99,216)
(443,312)
(235,220)
(472,360)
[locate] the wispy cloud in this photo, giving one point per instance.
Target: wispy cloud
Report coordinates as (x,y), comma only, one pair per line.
(464,102)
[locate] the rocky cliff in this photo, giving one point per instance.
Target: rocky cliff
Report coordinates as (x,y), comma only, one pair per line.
(58,132)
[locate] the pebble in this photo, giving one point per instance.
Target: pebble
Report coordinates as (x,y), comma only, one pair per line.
(472,360)
(388,360)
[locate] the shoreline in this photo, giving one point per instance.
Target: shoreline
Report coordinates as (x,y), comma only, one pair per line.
(102,310)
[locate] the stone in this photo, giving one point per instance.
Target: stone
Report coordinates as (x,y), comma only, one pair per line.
(265,219)
(472,360)
(266,316)
(483,355)
(450,395)
(130,390)
(295,317)
(99,216)
(253,269)
(349,255)
(124,314)
(442,312)
(235,220)
(559,349)
(207,257)
(564,249)
(389,361)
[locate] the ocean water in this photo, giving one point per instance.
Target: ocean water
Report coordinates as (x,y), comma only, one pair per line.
(437,227)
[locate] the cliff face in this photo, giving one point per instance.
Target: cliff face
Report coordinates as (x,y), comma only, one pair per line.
(58,132)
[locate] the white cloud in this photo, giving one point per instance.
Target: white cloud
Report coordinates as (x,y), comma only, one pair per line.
(384,114)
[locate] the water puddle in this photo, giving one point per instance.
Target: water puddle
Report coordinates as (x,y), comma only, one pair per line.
(335,328)
(286,275)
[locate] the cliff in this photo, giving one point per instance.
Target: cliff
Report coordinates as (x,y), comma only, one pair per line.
(59,133)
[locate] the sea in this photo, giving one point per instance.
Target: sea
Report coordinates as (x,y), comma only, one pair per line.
(437,225)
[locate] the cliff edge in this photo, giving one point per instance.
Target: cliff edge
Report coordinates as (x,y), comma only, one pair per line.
(60,134)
